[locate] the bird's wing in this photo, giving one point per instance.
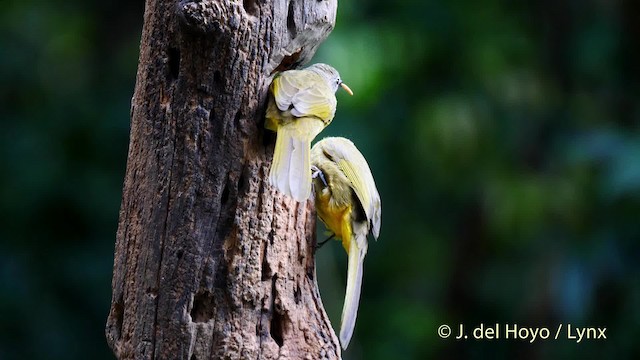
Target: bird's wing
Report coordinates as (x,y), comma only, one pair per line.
(356,169)
(304,93)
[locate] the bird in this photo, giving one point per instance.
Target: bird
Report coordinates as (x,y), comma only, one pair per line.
(348,203)
(301,104)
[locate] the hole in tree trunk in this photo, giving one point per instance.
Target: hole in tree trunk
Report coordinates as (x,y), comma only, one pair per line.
(225,194)
(297,294)
(268,138)
(237,120)
(272,236)
(217,78)
(250,7)
(243,181)
(266,269)
(277,319)
(174,63)
(202,310)
(310,273)
(291,23)
(276,328)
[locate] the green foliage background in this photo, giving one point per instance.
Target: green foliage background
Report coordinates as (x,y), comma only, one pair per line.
(503,137)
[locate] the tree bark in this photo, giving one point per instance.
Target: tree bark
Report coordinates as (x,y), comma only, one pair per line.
(210,261)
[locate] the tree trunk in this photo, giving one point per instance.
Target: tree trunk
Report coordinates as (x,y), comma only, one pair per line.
(210,261)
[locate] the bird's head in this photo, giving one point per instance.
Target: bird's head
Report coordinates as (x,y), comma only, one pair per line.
(331,75)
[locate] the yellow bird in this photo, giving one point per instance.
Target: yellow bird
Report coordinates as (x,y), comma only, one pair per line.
(301,104)
(348,203)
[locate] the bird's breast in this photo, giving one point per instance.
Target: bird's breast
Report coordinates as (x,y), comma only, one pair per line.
(331,214)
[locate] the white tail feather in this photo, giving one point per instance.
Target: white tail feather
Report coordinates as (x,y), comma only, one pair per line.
(291,168)
(352,294)
(279,172)
(300,169)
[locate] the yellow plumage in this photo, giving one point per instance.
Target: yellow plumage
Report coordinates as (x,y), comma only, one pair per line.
(348,203)
(301,104)
(335,217)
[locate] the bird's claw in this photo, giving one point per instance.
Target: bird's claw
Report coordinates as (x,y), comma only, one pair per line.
(316,172)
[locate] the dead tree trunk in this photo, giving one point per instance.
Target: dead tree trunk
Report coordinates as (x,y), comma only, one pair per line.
(210,262)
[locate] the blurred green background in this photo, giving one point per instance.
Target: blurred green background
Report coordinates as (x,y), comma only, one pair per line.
(503,137)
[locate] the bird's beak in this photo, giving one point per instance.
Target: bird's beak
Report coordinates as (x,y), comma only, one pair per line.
(346,88)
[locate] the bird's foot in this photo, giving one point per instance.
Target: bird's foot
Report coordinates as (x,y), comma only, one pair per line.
(316,172)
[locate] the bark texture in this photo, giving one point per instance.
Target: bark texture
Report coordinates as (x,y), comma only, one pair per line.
(210,262)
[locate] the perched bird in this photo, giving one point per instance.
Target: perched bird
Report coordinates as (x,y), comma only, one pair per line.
(348,203)
(301,104)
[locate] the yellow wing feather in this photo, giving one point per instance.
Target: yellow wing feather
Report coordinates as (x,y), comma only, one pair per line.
(304,93)
(355,168)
